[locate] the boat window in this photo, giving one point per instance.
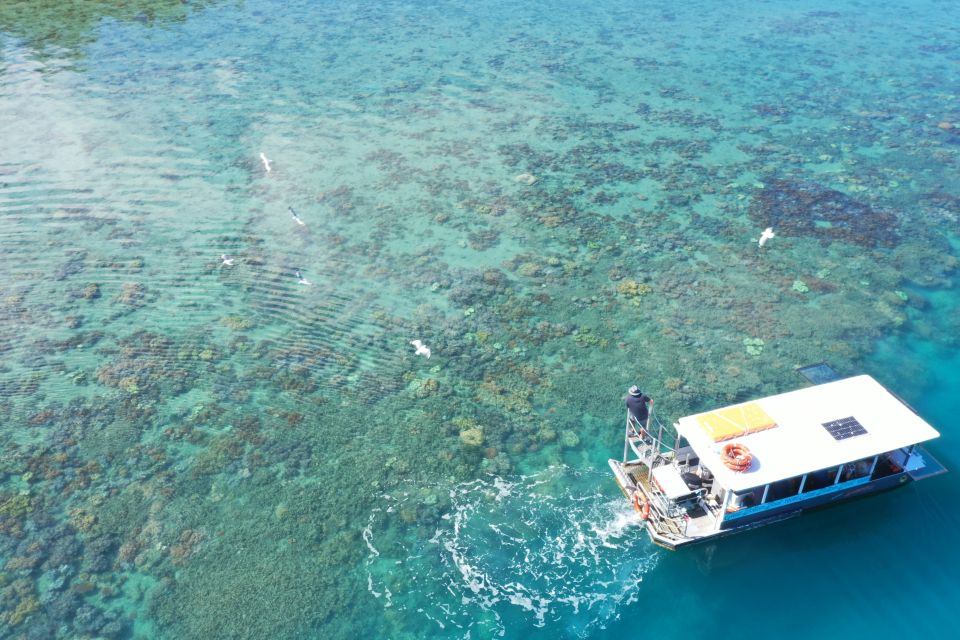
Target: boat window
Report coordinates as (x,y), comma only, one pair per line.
(783,489)
(745,499)
(887,465)
(820,479)
(751,498)
(854,470)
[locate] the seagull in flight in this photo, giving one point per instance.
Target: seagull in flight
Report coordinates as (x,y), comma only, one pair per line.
(766,235)
(265,160)
(227,262)
(302,280)
(422,349)
(296,218)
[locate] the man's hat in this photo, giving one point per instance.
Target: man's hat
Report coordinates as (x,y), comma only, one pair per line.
(635,391)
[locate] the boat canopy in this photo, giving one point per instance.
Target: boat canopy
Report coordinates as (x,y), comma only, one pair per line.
(806,430)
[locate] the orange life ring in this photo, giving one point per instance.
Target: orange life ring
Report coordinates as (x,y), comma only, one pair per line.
(736,457)
(641,505)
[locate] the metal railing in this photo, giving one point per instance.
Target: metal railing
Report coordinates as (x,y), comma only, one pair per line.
(647,440)
(664,523)
(651,435)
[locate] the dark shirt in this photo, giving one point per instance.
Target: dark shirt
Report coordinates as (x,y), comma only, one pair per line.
(637,405)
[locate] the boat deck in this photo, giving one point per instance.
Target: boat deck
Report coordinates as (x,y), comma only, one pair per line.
(699,521)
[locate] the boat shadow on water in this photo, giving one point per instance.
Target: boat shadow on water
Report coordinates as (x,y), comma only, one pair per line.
(820,536)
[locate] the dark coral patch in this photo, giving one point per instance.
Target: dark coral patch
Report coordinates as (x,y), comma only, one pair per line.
(800,208)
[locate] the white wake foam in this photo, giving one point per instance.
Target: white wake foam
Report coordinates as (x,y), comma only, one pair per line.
(548,550)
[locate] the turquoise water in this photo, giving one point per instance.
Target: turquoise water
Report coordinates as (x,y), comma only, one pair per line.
(559,199)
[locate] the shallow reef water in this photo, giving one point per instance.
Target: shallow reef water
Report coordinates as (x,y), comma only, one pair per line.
(213,423)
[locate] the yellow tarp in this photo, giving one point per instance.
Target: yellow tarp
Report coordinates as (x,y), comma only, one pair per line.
(732,422)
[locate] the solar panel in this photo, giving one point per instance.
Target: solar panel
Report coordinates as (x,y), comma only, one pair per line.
(844,428)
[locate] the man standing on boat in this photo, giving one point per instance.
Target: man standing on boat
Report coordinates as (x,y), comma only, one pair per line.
(637,406)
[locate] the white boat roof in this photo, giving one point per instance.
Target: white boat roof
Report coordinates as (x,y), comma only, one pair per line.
(799,443)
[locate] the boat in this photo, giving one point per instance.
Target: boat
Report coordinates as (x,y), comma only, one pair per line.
(751,464)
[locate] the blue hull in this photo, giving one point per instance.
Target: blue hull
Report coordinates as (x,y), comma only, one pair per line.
(795,505)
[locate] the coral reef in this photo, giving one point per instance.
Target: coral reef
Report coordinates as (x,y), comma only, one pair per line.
(472,437)
(194,449)
(525,178)
(132,294)
(754,346)
(802,208)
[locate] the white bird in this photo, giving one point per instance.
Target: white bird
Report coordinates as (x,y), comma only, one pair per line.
(296,218)
(302,280)
(766,235)
(266,161)
(227,262)
(422,349)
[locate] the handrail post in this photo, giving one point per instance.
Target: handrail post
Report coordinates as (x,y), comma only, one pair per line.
(626,437)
